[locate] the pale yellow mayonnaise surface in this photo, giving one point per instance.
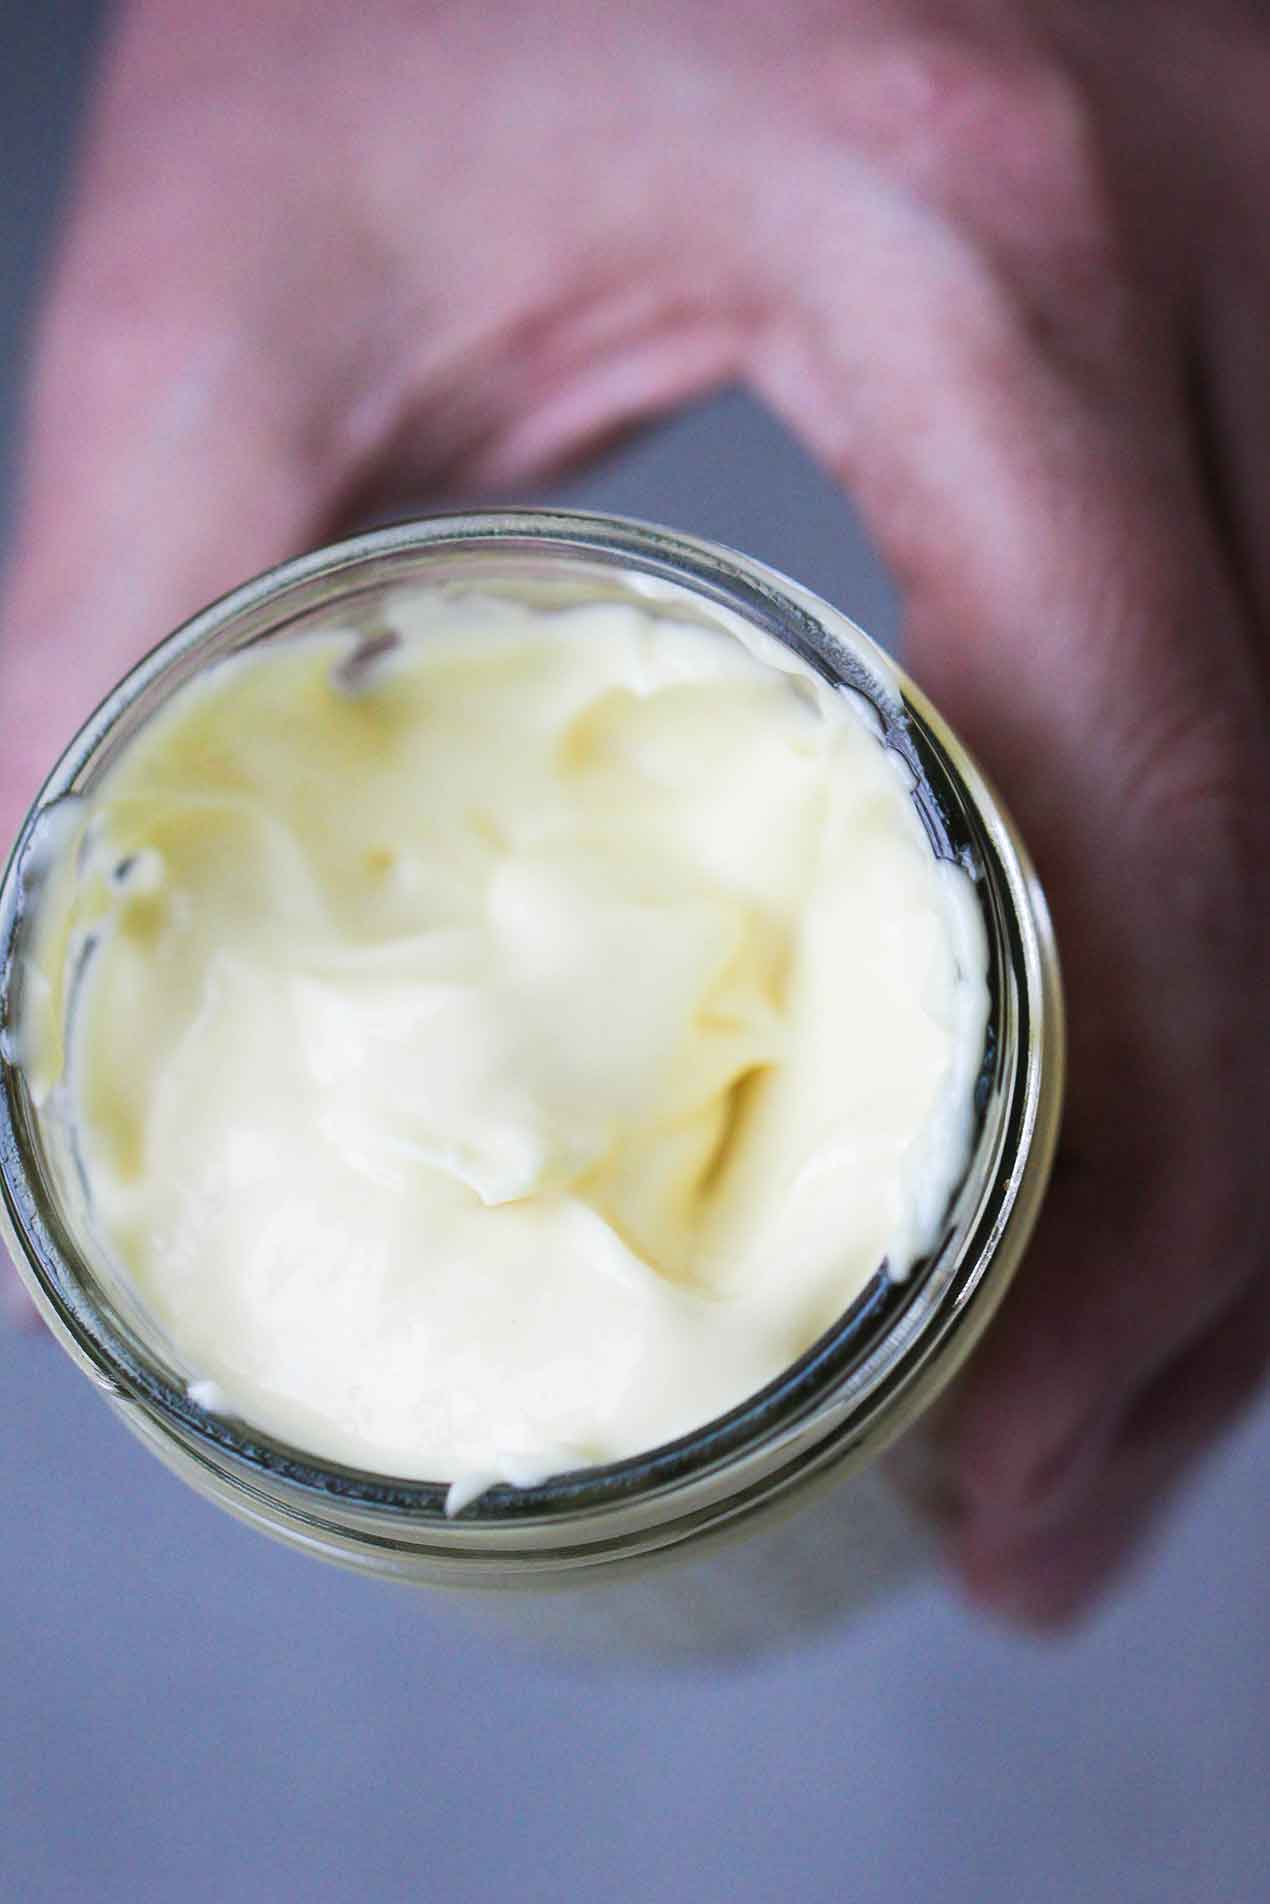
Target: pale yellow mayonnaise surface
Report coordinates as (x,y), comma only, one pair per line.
(509,1050)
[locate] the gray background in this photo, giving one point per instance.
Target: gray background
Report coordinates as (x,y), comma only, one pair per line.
(188,1712)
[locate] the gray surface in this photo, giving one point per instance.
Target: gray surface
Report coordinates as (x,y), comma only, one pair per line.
(188,1712)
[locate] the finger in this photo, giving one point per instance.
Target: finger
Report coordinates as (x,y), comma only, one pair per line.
(1027,471)
(1047,1572)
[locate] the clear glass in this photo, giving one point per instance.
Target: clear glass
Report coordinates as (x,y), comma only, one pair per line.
(853,1391)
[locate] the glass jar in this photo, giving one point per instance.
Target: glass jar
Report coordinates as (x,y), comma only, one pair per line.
(829,1416)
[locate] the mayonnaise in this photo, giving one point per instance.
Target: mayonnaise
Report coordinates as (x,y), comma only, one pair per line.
(506,1040)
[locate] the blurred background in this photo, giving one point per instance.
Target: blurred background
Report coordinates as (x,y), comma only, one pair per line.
(187,1711)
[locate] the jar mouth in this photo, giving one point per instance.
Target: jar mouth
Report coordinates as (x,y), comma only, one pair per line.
(863,1378)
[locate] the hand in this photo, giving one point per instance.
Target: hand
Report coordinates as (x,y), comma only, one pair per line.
(1003,265)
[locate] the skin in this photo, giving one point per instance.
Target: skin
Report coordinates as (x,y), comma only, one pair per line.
(1005,267)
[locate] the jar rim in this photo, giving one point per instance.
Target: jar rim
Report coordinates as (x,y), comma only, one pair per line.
(893,1347)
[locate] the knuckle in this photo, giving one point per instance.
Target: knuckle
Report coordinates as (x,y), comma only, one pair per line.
(1012,130)
(1007,146)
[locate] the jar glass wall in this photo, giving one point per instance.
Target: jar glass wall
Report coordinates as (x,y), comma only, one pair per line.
(850,1394)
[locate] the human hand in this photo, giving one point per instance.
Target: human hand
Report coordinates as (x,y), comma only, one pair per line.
(1001,266)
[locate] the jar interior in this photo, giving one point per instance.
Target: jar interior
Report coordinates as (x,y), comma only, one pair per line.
(45,1184)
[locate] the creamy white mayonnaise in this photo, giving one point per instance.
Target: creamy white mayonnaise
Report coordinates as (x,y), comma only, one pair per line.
(504,1042)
